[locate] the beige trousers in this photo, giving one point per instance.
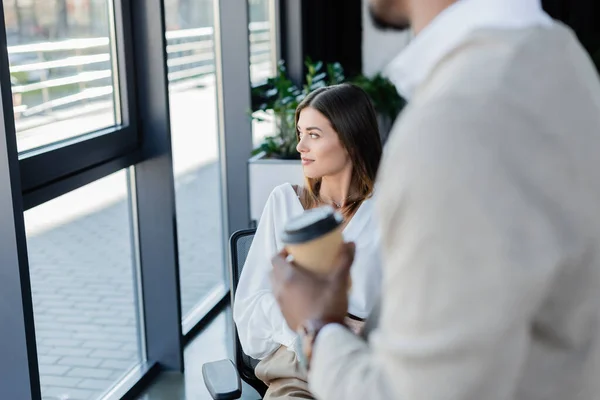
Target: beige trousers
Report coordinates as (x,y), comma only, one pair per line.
(283,374)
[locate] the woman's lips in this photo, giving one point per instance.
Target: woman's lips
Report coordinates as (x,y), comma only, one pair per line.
(306,161)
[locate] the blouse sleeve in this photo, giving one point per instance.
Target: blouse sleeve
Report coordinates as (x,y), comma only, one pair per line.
(260,324)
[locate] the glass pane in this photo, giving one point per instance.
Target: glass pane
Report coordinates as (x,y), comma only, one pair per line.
(194,134)
(61,56)
(262,40)
(84,290)
(262,53)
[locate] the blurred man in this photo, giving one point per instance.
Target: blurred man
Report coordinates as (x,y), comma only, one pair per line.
(489,201)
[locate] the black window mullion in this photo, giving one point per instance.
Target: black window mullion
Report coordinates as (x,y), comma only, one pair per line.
(44,167)
(18,361)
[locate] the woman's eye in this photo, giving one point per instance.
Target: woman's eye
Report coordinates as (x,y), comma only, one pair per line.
(314,136)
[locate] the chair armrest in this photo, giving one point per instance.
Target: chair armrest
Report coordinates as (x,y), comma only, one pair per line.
(222,380)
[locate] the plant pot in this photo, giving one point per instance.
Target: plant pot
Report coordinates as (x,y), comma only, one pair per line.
(264,174)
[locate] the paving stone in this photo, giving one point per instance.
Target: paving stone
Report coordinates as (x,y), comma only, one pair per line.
(131,347)
(48,359)
(97,384)
(76,318)
(51,333)
(52,380)
(118,375)
(56,370)
(76,328)
(48,295)
(38,318)
(56,302)
(43,350)
(125,330)
(103,344)
(96,373)
(118,355)
(120,365)
(56,342)
(114,322)
(68,311)
(104,336)
(88,301)
(69,393)
(69,351)
(116,300)
(80,361)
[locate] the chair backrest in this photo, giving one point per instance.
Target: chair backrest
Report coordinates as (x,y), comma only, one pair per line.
(240,243)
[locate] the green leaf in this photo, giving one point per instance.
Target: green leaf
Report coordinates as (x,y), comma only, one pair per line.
(318,65)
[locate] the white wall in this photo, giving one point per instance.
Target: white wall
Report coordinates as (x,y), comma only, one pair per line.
(378,47)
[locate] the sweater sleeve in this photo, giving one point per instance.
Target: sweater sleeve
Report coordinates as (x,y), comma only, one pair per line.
(468,257)
(260,324)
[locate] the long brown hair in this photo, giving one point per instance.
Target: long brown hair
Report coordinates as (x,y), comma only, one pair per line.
(352,115)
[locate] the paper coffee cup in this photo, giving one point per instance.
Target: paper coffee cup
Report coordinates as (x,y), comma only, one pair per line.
(314,238)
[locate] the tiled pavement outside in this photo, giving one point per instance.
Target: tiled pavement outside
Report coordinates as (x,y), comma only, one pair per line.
(82,268)
(82,282)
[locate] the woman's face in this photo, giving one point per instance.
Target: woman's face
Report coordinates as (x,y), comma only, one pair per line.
(320,148)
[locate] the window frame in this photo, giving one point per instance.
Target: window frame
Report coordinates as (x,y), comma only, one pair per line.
(142,141)
(41,168)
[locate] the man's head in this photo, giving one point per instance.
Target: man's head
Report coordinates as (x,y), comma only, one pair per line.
(390,14)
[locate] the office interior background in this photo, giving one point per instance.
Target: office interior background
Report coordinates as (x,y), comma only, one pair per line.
(123,171)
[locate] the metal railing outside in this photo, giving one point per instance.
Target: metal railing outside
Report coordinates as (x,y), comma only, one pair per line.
(66,74)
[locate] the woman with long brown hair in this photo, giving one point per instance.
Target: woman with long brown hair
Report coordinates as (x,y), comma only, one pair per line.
(340,149)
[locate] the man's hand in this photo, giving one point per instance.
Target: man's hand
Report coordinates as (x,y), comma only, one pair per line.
(303,295)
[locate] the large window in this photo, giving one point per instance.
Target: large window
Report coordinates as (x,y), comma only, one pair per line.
(115,134)
(62,56)
(263,55)
(194,140)
(262,39)
(83,279)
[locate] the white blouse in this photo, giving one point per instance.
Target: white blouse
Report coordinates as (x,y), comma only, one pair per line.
(260,324)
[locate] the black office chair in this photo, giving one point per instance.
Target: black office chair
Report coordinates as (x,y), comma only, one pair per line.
(222,378)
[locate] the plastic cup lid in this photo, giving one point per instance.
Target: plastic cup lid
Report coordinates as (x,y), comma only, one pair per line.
(311,224)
